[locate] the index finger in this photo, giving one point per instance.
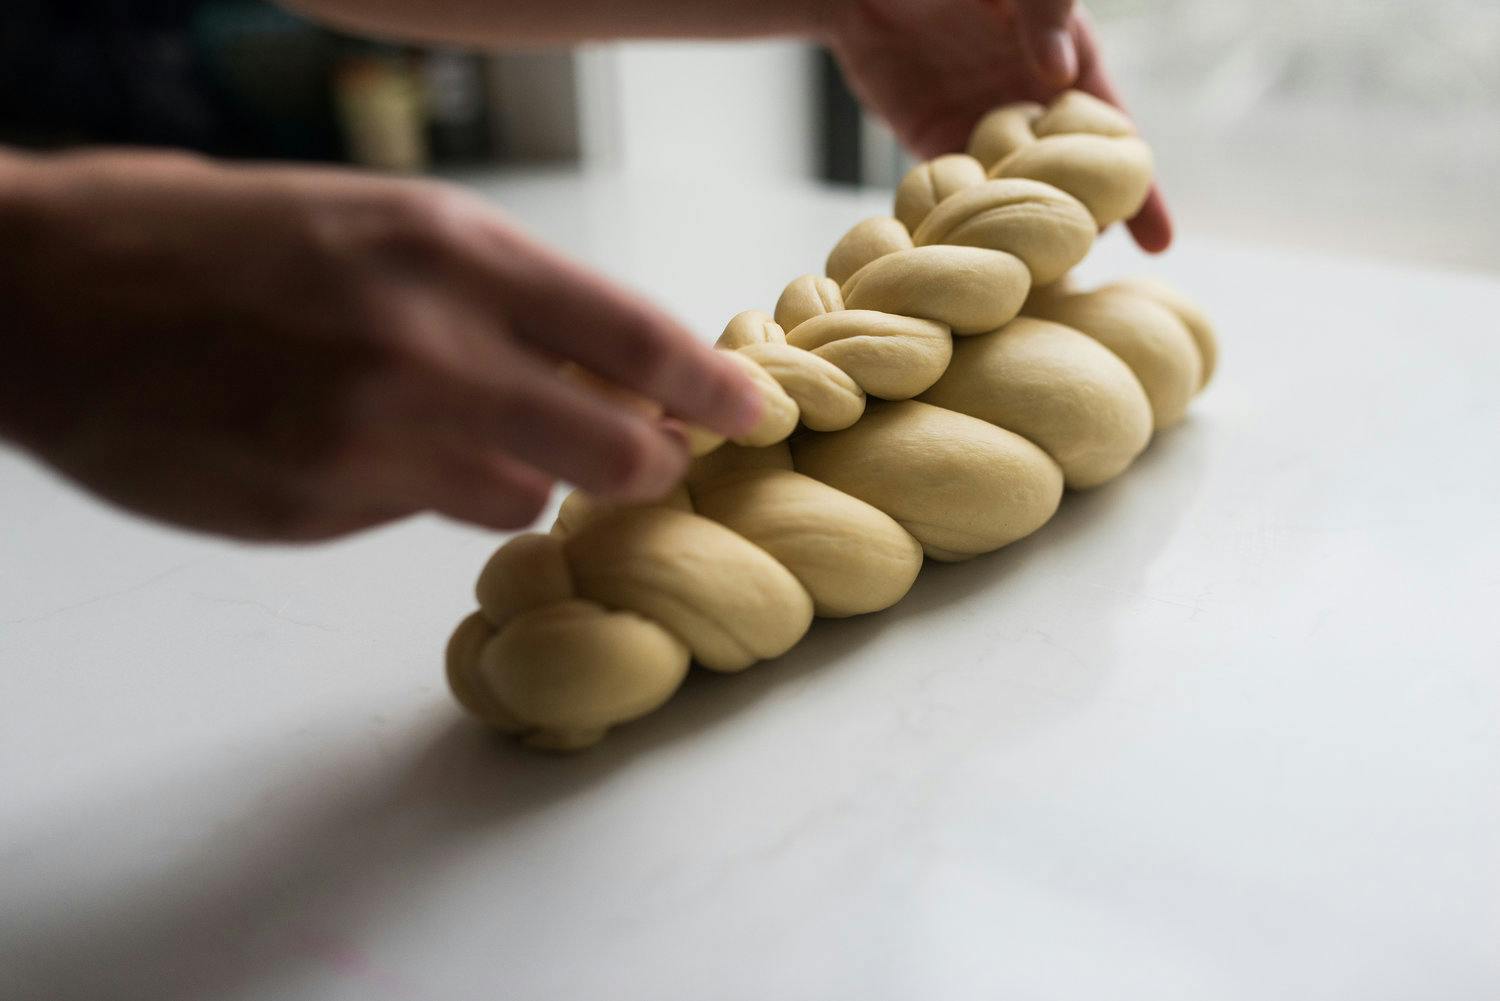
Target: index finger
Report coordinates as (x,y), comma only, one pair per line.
(1152,225)
(571,312)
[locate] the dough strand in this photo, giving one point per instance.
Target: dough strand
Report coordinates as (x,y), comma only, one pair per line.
(931,395)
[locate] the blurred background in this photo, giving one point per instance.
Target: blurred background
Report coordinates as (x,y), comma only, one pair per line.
(1366,126)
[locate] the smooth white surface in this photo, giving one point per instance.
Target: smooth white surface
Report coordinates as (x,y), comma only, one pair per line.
(1225,729)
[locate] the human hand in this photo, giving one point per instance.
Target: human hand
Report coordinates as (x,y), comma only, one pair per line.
(931,68)
(294,354)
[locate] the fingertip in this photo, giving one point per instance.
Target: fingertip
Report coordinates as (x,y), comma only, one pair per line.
(738,401)
(681,377)
(1152,226)
(533,481)
(1148,236)
(1054,56)
(748,409)
(649,466)
(486,488)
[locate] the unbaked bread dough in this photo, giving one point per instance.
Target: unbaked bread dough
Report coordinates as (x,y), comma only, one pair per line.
(932,394)
(1079,144)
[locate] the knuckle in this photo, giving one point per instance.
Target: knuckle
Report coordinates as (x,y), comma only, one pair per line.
(412,210)
(400,333)
(427,218)
(400,220)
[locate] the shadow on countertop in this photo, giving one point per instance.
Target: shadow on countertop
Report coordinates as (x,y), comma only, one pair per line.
(196,927)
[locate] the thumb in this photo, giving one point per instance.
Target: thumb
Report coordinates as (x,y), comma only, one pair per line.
(1048,43)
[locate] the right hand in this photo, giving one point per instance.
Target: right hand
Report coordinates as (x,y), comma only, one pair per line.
(932,68)
(294,353)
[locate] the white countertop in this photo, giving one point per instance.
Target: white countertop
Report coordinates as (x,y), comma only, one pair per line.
(1224,729)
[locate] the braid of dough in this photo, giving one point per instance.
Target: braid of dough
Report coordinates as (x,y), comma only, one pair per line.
(994,386)
(1079,144)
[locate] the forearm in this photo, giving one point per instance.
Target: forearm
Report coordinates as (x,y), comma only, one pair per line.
(540,22)
(21,200)
(19,204)
(15,171)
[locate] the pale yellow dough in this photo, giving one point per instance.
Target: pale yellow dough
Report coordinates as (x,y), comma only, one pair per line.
(1059,388)
(1079,144)
(933,394)
(1148,336)
(865,568)
(960,486)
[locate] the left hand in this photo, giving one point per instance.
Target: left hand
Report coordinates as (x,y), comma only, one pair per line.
(931,68)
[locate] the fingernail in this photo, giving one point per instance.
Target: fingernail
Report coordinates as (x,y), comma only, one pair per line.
(1057,57)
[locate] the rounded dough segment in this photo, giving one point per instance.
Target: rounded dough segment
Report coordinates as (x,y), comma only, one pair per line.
(960,485)
(570,670)
(1110,175)
(827,398)
(807,297)
(723,596)
(867,240)
(1187,311)
(851,557)
(735,458)
(928,184)
(1148,337)
(1003,131)
(1076,111)
(750,326)
(779,411)
(578,508)
(462,662)
(969,289)
(1056,387)
(530,570)
(890,356)
(1047,228)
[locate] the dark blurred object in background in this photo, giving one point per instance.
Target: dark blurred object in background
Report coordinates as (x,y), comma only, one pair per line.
(240,78)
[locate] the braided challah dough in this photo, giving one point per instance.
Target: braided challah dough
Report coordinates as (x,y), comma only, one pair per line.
(932,395)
